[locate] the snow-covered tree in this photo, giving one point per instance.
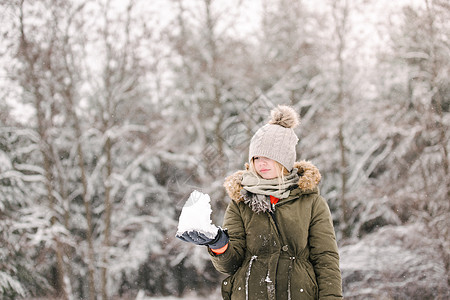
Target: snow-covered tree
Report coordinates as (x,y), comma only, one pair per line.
(419,127)
(113,112)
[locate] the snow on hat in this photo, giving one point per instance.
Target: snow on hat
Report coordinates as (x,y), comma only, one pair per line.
(277,139)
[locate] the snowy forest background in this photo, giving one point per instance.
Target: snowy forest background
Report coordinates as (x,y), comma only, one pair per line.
(112,112)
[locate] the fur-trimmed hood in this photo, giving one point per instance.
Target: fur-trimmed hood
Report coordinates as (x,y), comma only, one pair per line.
(309,178)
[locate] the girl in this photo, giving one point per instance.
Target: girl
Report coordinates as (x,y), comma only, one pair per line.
(279,241)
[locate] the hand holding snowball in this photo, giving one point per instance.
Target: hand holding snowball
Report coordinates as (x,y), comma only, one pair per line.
(195,225)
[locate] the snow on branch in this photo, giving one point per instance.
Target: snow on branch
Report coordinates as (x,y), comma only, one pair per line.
(394,262)
(8,283)
(27,178)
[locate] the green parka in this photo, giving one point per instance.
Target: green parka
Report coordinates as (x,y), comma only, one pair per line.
(291,254)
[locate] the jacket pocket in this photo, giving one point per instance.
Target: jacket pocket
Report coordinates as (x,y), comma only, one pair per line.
(227,286)
(312,277)
(303,283)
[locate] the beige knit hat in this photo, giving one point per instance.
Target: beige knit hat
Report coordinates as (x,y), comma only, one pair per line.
(277,139)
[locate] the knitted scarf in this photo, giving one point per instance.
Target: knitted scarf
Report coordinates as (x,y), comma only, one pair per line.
(256,190)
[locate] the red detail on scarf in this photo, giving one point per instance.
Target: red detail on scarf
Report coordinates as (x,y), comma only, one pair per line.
(274,200)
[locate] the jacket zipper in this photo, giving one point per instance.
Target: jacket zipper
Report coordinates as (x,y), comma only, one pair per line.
(274,218)
(272,215)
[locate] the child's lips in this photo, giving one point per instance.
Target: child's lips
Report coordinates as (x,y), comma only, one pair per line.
(264,170)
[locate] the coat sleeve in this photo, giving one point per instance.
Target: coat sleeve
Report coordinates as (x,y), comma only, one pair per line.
(324,253)
(229,261)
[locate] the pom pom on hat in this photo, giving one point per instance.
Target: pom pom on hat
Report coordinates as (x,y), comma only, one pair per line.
(285,116)
(277,139)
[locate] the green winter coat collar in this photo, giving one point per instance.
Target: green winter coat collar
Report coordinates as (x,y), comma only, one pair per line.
(309,178)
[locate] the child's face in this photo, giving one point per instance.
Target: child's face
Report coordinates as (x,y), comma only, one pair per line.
(266,167)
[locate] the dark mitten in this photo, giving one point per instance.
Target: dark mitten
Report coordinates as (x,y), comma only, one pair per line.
(221,239)
(199,238)
(195,237)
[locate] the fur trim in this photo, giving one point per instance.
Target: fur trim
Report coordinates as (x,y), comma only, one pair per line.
(285,116)
(233,186)
(309,175)
(309,178)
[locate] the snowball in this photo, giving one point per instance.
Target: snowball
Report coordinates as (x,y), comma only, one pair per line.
(195,215)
